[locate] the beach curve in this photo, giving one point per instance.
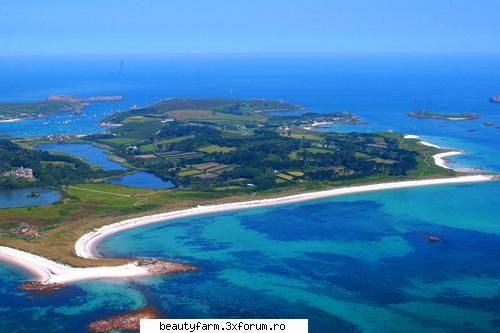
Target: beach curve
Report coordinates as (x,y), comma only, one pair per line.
(49,272)
(441,158)
(86,246)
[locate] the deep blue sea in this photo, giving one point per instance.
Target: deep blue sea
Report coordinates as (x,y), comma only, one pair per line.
(356,263)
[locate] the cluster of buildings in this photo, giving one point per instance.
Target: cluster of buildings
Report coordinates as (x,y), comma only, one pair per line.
(26,230)
(62,137)
(20,173)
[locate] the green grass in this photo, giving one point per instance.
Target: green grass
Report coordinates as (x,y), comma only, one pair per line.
(120,140)
(425,162)
(181,155)
(149,148)
(296,173)
(191,172)
(306,136)
(318,150)
(139,119)
(79,201)
(173,140)
(216,149)
(214,117)
(382,160)
(285,176)
(361,155)
(133,130)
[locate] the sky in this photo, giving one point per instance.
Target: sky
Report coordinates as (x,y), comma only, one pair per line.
(33,27)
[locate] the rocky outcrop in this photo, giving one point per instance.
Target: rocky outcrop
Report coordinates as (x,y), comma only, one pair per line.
(130,321)
(160,267)
(147,266)
(432,239)
(39,286)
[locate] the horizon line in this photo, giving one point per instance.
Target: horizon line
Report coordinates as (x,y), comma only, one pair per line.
(263,53)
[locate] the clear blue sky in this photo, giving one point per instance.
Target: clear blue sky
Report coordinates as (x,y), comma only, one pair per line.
(255,26)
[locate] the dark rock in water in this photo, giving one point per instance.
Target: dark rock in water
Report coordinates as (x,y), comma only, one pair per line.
(432,239)
(160,267)
(33,194)
(130,321)
(488,123)
(495,99)
(39,286)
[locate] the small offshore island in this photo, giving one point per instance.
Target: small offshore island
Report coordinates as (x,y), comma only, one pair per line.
(221,154)
(495,99)
(11,111)
(424,114)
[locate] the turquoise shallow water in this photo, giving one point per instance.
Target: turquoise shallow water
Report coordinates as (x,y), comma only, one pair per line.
(356,263)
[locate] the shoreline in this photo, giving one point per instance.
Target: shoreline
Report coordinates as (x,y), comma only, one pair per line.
(441,158)
(12,120)
(48,272)
(86,246)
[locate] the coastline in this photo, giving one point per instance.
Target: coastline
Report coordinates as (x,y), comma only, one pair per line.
(48,272)
(12,120)
(86,246)
(441,158)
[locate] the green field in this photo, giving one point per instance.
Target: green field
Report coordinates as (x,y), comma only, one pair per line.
(174,140)
(190,172)
(216,149)
(121,140)
(285,176)
(213,117)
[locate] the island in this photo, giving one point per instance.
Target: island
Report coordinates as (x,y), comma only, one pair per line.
(33,194)
(129,321)
(221,154)
(11,111)
(75,99)
(495,99)
(425,114)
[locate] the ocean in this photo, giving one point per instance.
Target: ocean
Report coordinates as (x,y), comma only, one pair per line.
(357,263)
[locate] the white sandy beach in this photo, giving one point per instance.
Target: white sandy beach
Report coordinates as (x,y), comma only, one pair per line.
(13,120)
(85,247)
(439,159)
(48,271)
